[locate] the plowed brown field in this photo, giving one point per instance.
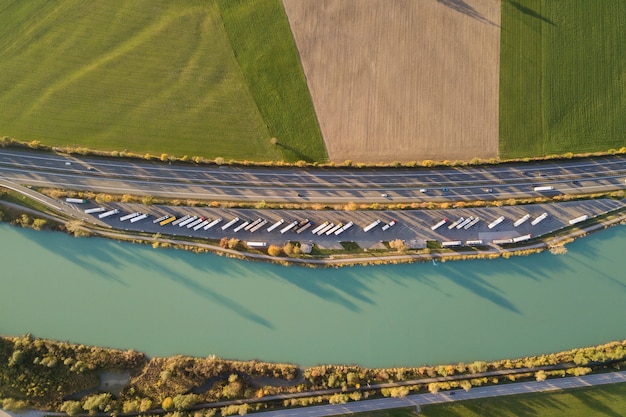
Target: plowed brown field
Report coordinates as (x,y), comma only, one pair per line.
(402,79)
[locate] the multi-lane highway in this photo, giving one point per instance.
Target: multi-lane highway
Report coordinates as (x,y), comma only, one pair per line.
(332,185)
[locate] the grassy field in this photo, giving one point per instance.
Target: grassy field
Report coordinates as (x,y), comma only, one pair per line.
(271,66)
(397,412)
(563,77)
(605,400)
(149,76)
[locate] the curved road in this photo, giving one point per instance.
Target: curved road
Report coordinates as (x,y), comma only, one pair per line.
(323,185)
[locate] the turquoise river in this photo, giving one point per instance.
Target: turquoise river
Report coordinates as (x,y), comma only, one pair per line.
(166,302)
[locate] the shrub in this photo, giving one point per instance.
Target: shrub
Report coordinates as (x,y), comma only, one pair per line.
(274,250)
(71,407)
(168,403)
(99,402)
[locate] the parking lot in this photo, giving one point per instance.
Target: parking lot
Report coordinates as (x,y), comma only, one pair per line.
(475,226)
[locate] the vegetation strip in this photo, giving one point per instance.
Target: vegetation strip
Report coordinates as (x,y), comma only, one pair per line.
(162,385)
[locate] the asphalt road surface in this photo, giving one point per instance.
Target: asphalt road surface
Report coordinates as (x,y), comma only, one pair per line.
(121,176)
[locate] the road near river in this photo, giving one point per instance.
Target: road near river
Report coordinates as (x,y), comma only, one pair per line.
(166,302)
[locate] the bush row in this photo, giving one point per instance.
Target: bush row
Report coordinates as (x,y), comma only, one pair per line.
(7,141)
(38,373)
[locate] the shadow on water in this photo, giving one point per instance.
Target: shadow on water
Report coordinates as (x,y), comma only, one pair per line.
(334,285)
(589,253)
(530,12)
(111,259)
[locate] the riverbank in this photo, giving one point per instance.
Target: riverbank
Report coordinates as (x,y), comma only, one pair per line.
(74,221)
(184,384)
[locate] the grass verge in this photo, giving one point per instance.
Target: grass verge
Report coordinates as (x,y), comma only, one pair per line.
(605,400)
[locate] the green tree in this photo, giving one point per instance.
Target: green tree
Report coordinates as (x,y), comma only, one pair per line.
(234,388)
(39,224)
(168,403)
(96,403)
(72,407)
(274,250)
(183,402)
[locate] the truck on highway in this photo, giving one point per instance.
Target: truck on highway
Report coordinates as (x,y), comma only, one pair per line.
(544,188)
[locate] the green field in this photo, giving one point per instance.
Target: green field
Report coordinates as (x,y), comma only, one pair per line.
(562,77)
(156,76)
(603,400)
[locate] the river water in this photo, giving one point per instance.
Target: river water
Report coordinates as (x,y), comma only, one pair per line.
(165,302)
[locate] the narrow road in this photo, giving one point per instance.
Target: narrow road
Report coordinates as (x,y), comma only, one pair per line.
(418,400)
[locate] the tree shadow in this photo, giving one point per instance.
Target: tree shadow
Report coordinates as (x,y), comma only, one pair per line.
(591,400)
(99,252)
(295,152)
(464,8)
(480,287)
(332,285)
(530,12)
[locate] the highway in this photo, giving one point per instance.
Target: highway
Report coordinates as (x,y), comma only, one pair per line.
(312,185)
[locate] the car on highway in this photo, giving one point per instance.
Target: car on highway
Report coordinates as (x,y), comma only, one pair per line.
(384,195)
(445,190)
